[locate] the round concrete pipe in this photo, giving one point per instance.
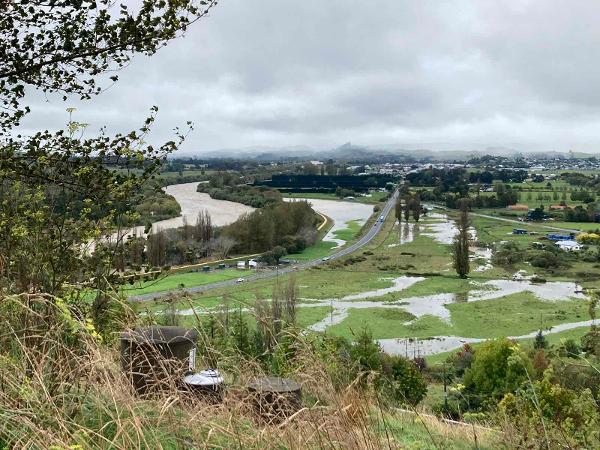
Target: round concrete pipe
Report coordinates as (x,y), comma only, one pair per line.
(155,358)
(274,398)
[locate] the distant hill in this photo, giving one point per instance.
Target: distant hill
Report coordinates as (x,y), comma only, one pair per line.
(383,153)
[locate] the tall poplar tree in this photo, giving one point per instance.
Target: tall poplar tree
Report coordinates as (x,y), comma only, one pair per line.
(416,207)
(460,253)
(398,209)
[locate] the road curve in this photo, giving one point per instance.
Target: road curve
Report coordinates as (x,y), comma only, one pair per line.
(364,240)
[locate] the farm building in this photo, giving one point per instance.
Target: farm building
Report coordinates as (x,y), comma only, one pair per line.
(561,237)
(569,246)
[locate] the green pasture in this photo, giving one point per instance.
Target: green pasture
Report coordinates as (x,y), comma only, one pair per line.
(184,280)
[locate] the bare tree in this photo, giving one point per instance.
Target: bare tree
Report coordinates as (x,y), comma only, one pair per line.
(187,230)
(204,230)
(222,245)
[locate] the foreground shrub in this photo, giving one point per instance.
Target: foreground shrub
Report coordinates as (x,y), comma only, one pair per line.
(403,380)
(499,366)
(548,415)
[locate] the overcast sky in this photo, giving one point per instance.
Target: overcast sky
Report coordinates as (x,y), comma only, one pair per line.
(452,74)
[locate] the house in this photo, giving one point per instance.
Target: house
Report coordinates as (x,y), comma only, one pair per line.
(252,263)
(241,264)
(569,246)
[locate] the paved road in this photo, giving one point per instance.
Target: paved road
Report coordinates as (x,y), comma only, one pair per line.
(364,240)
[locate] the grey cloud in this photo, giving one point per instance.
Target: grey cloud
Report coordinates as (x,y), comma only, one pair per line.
(283,72)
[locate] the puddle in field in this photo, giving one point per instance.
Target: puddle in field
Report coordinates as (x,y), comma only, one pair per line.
(398,284)
(340,212)
(439,344)
(482,253)
(406,233)
(550,291)
(435,305)
(443,229)
(342,305)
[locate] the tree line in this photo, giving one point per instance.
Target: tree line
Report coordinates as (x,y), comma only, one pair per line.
(287,227)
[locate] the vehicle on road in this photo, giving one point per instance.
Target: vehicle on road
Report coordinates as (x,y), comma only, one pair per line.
(325,259)
(240,280)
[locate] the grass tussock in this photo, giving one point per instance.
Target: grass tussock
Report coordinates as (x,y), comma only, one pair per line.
(62,386)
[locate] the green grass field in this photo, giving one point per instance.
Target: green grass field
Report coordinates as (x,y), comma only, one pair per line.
(319,250)
(583,226)
(184,280)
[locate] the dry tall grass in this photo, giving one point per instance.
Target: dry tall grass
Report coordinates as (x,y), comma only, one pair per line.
(61,387)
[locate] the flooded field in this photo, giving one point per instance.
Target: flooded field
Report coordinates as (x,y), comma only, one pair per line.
(407,309)
(443,229)
(481,254)
(435,305)
(341,213)
(439,344)
(406,233)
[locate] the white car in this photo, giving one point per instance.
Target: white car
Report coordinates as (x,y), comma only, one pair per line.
(240,280)
(325,259)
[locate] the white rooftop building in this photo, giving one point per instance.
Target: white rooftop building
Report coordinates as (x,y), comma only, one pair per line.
(569,246)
